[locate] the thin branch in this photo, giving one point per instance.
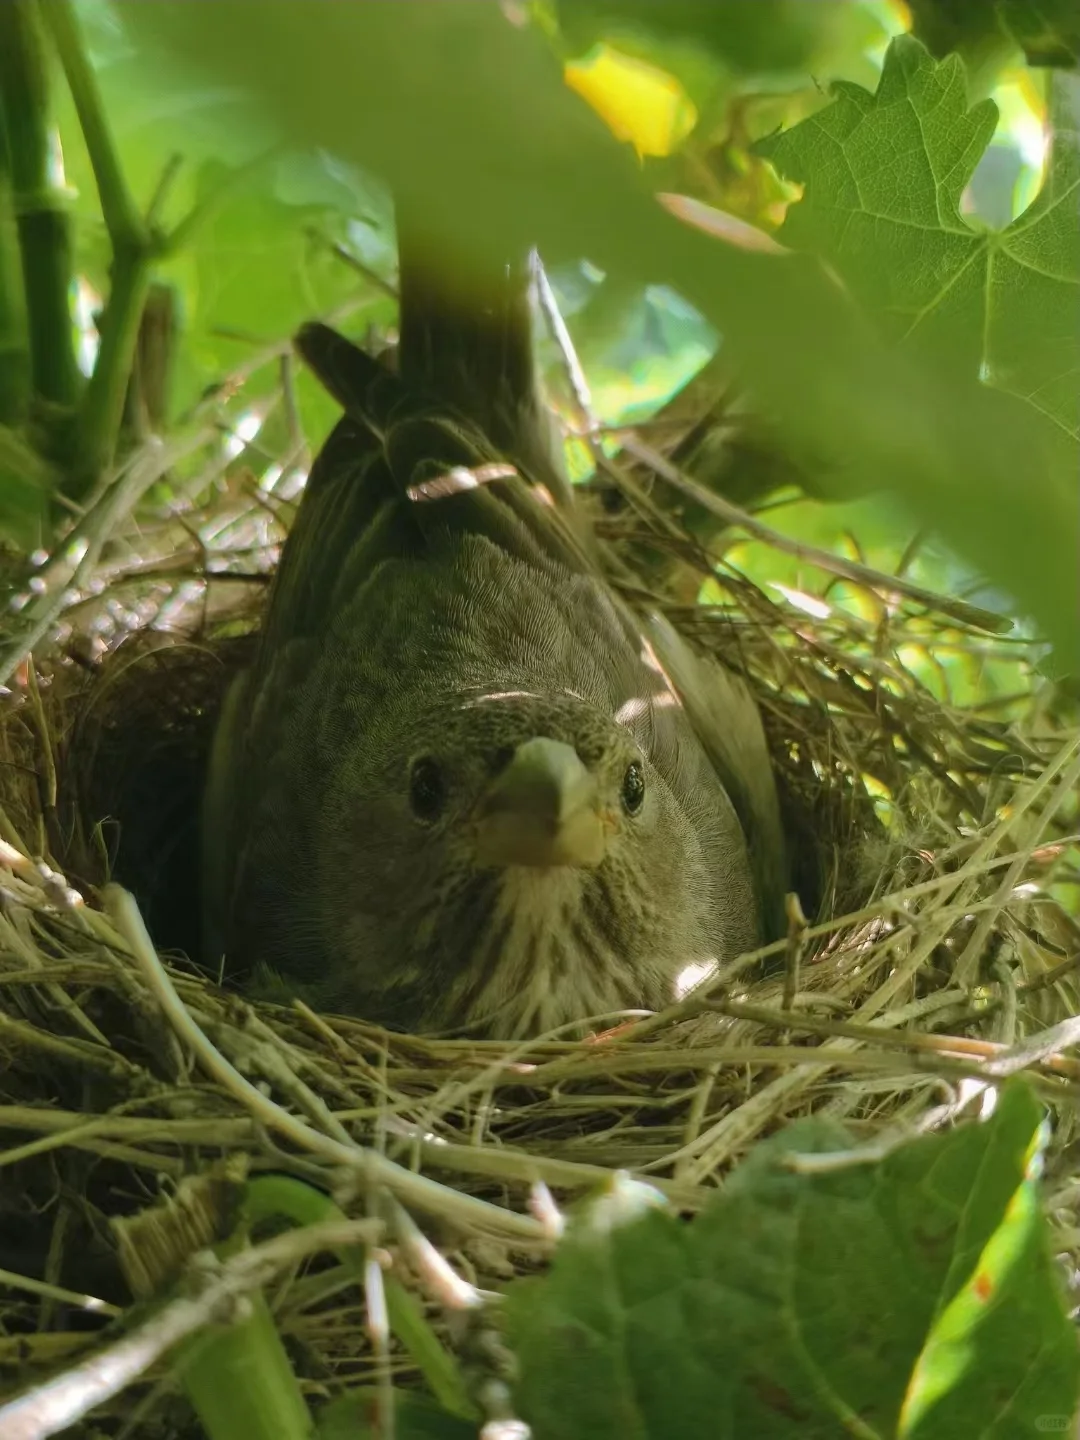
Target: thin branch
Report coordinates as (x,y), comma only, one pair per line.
(354,263)
(103,404)
(575,371)
(93,531)
(968,961)
(89,1303)
(161,191)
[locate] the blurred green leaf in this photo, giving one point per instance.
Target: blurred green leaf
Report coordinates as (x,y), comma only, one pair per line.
(26,488)
(770,35)
(277,1197)
(1048,31)
(801,1304)
(239,1379)
(466,116)
(354,1417)
(259,270)
(260,264)
(155,113)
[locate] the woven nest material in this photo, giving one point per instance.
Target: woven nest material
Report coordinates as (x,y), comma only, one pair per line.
(937,939)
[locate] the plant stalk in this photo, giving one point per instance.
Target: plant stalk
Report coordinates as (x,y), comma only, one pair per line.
(14,340)
(42,220)
(122,218)
(134,248)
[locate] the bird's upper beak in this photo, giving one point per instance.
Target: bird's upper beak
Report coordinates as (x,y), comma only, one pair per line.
(542,810)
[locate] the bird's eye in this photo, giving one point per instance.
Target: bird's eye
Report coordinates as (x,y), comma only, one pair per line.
(427,789)
(633,789)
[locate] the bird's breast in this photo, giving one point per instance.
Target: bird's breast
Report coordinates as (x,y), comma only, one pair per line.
(543,959)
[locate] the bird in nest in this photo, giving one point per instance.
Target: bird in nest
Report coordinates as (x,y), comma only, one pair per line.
(463,784)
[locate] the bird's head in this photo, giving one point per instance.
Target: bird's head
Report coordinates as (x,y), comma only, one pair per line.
(517,861)
(525,781)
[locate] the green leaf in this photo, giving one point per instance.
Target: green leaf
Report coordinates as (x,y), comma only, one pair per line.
(884,176)
(1009,1291)
(257,267)
(802,1304)
(250,265)
(258,271)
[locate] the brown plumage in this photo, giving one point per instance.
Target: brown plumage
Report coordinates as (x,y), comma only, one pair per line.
(462,784)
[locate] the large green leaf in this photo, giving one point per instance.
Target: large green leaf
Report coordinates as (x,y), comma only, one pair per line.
(884,176)
(812,1304)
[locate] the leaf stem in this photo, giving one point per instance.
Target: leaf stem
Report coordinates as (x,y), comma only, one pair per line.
(42,220)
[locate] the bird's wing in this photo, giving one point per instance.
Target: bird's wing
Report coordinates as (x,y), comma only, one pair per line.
(349,518)
(727,722)
(222,814)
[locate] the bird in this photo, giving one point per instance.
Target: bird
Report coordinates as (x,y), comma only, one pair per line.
(463,786)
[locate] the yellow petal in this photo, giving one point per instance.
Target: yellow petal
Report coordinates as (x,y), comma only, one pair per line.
(637,101)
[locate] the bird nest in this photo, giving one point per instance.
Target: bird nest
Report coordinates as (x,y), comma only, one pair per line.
(935,949)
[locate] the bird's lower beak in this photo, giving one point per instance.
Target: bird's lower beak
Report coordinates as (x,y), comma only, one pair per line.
(542,810)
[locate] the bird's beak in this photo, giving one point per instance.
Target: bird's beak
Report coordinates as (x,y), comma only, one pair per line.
(542,810)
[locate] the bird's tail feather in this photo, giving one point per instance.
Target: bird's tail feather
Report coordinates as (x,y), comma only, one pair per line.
(465,398)
(465,333)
